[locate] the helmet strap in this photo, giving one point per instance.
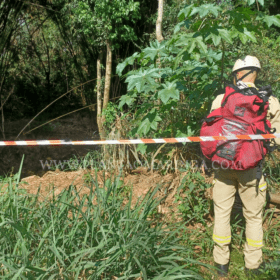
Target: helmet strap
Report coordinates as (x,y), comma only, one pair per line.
(244,76)
(235,77)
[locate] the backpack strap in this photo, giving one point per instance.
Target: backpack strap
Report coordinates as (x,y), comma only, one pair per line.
(264,93)
(236,90)
(270,148)
(245,91)
(225,101)
(268,143)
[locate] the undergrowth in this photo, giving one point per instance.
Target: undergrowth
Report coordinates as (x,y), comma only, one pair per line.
(92,236)
(272,171)
(98,236)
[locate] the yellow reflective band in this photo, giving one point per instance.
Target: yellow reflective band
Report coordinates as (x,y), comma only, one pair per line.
(262,187)
(254,243)
(221,239)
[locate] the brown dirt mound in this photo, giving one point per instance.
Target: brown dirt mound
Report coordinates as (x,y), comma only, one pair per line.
(140,181)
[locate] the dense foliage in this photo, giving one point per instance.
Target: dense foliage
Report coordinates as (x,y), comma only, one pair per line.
(170,97)
(50,47)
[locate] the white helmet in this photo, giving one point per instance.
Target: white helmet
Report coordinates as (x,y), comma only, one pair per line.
(248,61)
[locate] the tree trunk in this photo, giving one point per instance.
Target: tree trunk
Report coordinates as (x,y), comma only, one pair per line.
(159,21)
(99,97)
(159,38)
(2,110)
(108,75)
(107,86)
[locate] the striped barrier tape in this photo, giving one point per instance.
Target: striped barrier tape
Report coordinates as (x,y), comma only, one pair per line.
(138,141)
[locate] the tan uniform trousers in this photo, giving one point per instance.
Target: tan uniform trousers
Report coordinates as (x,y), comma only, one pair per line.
(253,199)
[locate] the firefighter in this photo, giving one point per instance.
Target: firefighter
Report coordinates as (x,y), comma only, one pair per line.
(252,191)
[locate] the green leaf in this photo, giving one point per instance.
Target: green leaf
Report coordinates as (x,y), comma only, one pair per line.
(251,2)
(214,56)
(154,119)
(128,61)
(234,33)
(216,39)
(184,13)
(196,56)
(144,127)
(200,44)
(225,34)
(243,38)
(180,134)
(169,91)
(272,20)
(18,274)
(125,99)
(178,27)
(276,42)
(191,42)
(142,78)
(250,36)
(185,23)
(205,9)
(195,11)
(120,68)
(183,39)
(155,49)
(133,80)
(150,122)
(36,269)
(193,45)
(142,148)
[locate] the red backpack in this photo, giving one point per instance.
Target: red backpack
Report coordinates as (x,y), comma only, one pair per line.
(243,112)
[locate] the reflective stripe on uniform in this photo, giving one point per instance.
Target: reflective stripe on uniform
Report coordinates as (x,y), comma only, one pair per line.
(254,243)
(221,239)
(262,187)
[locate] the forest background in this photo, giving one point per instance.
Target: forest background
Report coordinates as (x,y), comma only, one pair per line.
(111,50)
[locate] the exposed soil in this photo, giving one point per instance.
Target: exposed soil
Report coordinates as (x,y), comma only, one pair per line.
(140,181)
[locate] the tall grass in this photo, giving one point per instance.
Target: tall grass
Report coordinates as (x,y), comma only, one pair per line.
(272,171)
(93,236)
(97,236)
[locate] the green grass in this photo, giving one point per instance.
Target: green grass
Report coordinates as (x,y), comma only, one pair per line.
(97,236)
(70,236)
(272,171)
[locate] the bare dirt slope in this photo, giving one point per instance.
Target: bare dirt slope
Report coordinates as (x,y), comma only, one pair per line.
(139,181)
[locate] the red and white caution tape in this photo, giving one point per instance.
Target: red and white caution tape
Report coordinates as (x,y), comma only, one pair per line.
(138,141)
